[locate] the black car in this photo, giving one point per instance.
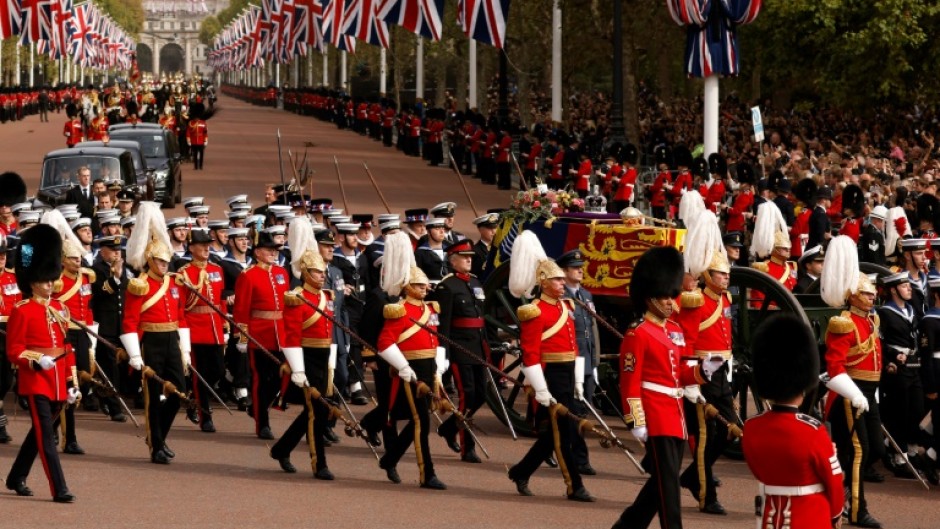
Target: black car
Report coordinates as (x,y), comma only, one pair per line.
(162,152)
(144,173)
(60,171)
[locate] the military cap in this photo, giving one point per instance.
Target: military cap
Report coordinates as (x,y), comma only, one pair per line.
(218,225)
(80,222)
(913,245)
(128,221)
(125,195)
(415,215)
(193,201)
(490,220)
(365,219)
(436,222)
(444,209)
(816,253)
(347,228)
(199,236)
(325,237)
(734,239)
(461,247)
(572,259)
(236,199)
(234,233)
(237,215)
(111,241)
(196,211)
(895,279)
(176,222)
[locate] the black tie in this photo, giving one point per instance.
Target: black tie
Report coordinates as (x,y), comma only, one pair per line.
(85,192)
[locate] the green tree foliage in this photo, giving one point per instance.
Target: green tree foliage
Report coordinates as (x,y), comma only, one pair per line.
(213,25)
(128,14)
(208,29)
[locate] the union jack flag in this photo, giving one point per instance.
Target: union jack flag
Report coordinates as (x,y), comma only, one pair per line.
(270,21)
(361,21)
(711,46)
(9,18)
(306,30)
(36,16)
(334,12)
(287,45)
(422,17)
(256,37)
(80,43)
(484,20)
(61,19)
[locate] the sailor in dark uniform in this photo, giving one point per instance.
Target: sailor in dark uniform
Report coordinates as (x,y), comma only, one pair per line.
(446,211)
(809,268)
(486,224)
(929,350)
(915,265)
(429,256)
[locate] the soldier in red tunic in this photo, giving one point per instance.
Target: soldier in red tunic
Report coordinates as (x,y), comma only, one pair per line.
(771,240)
(653,382)
(549,348)
(800,482)
(415,356)
(36,344)
(73,127)
(209,332)
(154,326)
(657,192)
(308,348)
(853,364)
(197,134)
(627,181)
(10,295)
(853,210)
(259,310)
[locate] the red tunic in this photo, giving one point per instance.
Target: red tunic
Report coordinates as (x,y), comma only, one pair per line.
(206,326)
(707,328)
(73,132)
(799,232)
(683,181)
(151,301)
(743,202)
(547,332)
(306,327)
(10,293)
(650,354)
(583,179)
(715,195)
(99,129)
(627,183)
(776,460)
(658,190)
(75,294)
(851,228)
(259,296)
(197,133)
(418,343)
(532,157)
(33,328)
(502,152)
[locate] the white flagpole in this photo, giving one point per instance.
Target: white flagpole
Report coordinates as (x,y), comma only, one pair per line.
(383,72)
(710,117)
(32,64)
(419,71)
(472,95)
(19,76)
(556,62)
(326,67)
(342,72)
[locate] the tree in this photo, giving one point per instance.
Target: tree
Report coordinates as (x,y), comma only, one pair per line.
(128,14)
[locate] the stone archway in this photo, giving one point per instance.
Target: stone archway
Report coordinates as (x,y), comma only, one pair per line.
(144,58)
(172,58)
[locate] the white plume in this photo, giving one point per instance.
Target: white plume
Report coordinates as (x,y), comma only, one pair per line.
(769,222)
(892,235)
(397,261)
(840,272)
(690,205)
(527,252)
(150,225)
(54,218)
(300,238)
(701,242)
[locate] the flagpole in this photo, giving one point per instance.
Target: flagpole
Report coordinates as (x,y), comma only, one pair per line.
(326,67)
(419,71)
(556,62)
(383,72)
(710,117)
(32,64)
(19,73)
(342,72)
(472,95)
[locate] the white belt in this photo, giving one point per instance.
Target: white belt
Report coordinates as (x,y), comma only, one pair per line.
(904,350)
(676,393)
(802,490)
(937,355)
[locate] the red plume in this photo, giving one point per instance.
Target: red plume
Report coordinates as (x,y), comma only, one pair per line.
(900,224)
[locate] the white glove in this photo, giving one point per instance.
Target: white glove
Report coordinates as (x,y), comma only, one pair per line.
(694,394)
(843,385)
(536,379)
(579,377)
(640,433)
(712,364)
(225,337)
(331,361)
(74,395)
(131,344)
(185,343)
(396,359)
(441,361)
(242,347)
(46,362)
(295,359)
(94,341)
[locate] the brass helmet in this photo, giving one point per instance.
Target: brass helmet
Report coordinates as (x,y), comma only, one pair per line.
(311,260)
(157,249)
(865,285)
(71,250)
(416,276)
(782,240)
(548,269)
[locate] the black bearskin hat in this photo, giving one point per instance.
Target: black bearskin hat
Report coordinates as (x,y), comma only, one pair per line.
(853,198)
(785,357)
(38,258)
(664,156)
(805,191)
(717,164)
(682,156)
(630,154)
(71,110)
(700,167)
(266,240)
(928,207)
(196,110)
(12,189)
(774,180)
(745,173)
(657,273)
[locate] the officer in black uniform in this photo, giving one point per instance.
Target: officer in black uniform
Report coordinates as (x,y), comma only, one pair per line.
(929,351)
(460,295)
(486,224)
(902,393)
(819,225)
(447,211)
(107,304)
(871,243)
(733,242)
(429,256)
(809,268)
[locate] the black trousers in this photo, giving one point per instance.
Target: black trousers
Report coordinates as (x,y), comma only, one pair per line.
(934,407)
(387,136)
(199,153)
(710,437)
(80,346)
(660,493)
(856,448)
(377,419)
(107,361)
(470,381)
(902,401)
(397,444)
(44,414)
(236,364)
(6,370)
(560,379)
(161,352)
(315,366)
(207,359)
(265,383)
(503,177)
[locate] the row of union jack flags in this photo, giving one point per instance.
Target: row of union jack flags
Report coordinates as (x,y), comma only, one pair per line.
(59,28)
(280,30)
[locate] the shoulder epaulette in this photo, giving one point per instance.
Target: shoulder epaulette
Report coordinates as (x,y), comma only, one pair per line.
(840,325)
(762,266)
(90,273)
(393,311)
(877,320)
(435,306)
(528,312)
(330,293)
(692,299)
(138,286)
(729,296)
(809,419)
(21,302)
(445,277)
(292,297)
(57,285)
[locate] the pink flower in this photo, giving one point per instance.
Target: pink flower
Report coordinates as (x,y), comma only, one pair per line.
(536,204)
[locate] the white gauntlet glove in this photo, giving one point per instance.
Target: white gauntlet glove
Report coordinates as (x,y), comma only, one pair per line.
(131,344)
(295,359)
(579,377)
(396,359)
(844,386)
(536,379)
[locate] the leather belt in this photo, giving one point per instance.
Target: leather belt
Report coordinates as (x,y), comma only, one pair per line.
(705,354)
(557,358)
(420,354)
(863,374)
(318,343)
(801,490)
(676,393)
(267,314)
(467,323)
(160,327)
(201,309)
(4,319)
(54,352)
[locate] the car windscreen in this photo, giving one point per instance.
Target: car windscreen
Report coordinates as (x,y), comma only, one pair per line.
(151,142)
(63,171)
